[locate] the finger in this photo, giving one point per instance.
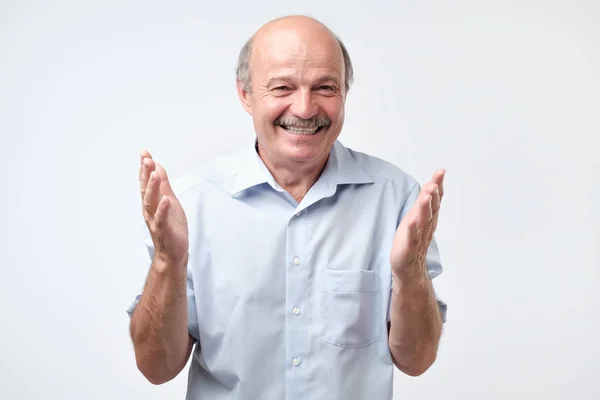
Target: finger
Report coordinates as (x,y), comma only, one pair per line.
(430,221)
(164,180)
(438,178)
(152,195)
(422,210)
(162,211)
(144,154)
(147,168)
(432,189)
(425,213)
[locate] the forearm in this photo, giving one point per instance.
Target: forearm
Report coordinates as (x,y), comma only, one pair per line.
(159,324)
(416,324)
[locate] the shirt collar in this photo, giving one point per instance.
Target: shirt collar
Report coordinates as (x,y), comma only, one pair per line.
(347,170)
(341,168)
(251,171)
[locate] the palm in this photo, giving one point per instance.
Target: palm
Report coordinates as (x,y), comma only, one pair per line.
(415,232)
(176,231)
(163,212)
(407,248)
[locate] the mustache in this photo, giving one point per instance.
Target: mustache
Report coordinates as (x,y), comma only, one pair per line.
(311,123)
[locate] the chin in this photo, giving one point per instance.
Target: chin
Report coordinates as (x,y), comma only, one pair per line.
(301,155)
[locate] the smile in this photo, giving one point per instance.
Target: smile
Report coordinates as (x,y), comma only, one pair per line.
(301,131)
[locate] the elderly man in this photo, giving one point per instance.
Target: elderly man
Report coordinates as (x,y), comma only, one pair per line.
(298,268)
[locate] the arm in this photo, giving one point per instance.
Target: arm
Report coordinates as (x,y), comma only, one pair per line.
(159,322)
(415,319)
(159,327)
(416,323)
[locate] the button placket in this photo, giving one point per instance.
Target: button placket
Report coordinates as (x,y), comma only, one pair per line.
(297,274)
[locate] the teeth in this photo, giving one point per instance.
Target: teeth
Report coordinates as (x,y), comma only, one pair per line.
(301,131)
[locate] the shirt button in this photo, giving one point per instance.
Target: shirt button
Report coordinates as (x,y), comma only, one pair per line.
(296,362)
(296,261)
(296,310)
(298,213)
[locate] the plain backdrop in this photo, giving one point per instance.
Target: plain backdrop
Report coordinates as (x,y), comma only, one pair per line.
(504,94)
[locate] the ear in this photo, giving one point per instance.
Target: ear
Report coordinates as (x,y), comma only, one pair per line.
(244,96)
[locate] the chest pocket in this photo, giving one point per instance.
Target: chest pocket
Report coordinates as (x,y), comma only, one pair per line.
(351,307)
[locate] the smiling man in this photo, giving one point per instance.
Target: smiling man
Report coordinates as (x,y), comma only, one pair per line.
(299,268)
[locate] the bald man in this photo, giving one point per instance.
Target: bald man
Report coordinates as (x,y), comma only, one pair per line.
(297,268)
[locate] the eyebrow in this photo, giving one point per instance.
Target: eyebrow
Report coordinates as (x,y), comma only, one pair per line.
(274,79)
(290,80)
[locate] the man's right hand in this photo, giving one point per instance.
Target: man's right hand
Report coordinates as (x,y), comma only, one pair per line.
(163,214)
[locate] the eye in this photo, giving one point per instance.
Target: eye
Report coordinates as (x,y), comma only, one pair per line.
(326,88)
(280,88)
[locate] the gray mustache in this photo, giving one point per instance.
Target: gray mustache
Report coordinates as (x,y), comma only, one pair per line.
(310,123)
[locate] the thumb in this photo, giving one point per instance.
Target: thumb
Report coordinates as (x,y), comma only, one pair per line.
(165,185)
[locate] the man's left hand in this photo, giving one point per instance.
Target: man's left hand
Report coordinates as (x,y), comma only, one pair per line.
(416,230)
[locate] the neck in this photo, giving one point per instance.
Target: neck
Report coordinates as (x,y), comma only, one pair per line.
(295,178)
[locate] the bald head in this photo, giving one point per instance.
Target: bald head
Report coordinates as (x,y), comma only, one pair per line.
(291,31)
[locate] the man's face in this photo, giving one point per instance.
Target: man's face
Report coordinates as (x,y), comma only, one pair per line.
(297,95)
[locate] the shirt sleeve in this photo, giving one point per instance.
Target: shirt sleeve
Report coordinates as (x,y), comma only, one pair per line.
(432,259)
(191,300)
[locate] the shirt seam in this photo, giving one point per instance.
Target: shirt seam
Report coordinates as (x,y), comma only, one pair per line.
(194,186)
(396,184)
(408,196)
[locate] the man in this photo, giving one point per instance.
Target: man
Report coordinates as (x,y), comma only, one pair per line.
(298,269)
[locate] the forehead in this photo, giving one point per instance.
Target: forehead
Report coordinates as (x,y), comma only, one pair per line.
(307,53)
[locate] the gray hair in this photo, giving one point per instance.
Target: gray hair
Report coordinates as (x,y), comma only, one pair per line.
(242,70)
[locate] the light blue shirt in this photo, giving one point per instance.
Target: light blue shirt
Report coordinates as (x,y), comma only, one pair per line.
(287,300)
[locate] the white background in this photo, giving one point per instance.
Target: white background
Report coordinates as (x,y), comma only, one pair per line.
(504,94)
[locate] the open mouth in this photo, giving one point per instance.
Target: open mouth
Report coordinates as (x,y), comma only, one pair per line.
(301,131)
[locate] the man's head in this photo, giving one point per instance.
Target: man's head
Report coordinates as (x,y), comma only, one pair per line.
(292,77)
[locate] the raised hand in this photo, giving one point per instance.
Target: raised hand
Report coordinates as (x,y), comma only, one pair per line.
(416,230)
(163,213)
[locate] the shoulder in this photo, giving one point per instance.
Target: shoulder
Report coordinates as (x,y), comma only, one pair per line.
(384,171)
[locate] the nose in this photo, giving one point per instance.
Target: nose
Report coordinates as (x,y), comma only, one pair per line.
(303,105)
